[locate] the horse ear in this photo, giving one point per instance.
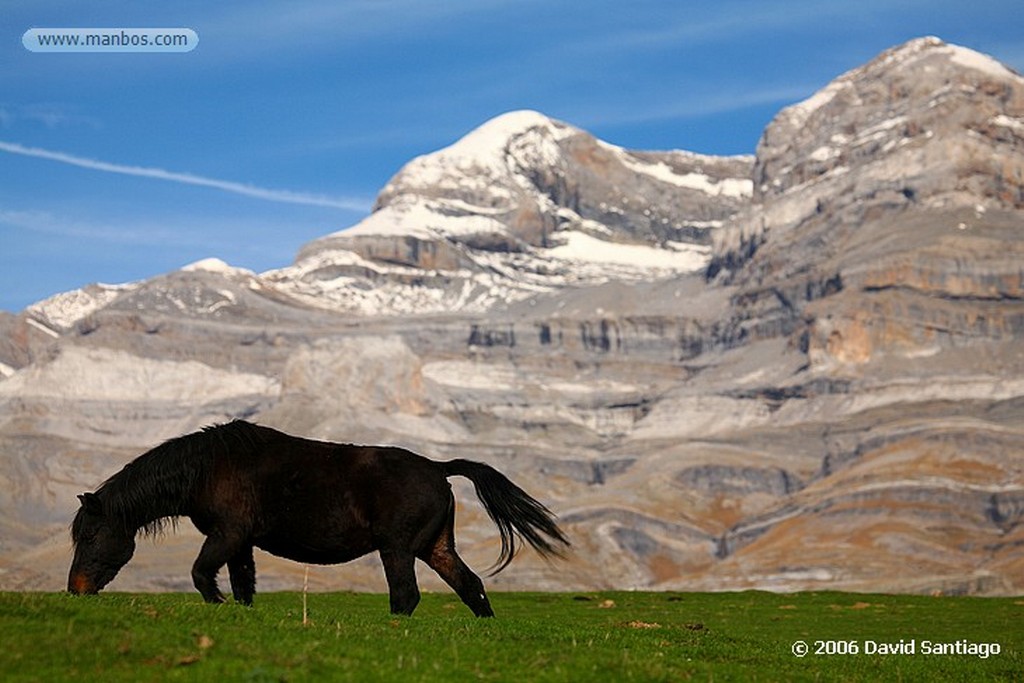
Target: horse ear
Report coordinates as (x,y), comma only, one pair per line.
(91,502)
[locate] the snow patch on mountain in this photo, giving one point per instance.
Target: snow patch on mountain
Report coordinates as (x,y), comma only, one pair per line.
(800,112)
(702,182)
(1014,124)
(427,219)
(730,187)
(580,246)
(64,310)
(215,265)
(978,61)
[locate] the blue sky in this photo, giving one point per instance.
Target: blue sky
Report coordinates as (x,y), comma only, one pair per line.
(288,117)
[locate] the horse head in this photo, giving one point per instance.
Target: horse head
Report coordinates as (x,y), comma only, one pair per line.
(102,547)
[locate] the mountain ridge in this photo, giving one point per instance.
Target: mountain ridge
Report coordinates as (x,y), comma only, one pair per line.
(833,392)
(469,221)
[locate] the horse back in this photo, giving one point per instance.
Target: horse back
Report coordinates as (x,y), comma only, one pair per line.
(323,502)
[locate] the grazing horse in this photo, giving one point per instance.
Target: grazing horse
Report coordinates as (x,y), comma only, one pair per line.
(245,485)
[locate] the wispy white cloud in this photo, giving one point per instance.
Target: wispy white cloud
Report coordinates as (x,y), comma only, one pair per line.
(286,196)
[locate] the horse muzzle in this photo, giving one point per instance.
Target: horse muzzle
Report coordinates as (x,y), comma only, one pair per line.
(79,584)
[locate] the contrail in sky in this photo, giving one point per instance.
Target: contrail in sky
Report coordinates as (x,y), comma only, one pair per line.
(189,179)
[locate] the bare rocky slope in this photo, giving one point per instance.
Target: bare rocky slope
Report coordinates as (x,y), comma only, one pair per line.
(798,370)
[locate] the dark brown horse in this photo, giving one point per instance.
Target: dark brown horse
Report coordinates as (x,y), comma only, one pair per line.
(245,485)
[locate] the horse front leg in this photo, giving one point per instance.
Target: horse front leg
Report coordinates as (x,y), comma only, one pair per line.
(214,554)
(242,571)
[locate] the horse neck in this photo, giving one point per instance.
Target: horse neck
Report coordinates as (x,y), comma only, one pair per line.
(142,508)
(160,483)
(152,519)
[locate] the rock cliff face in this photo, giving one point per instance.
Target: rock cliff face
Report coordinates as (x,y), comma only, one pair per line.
(883,248)
(802,370)
(892,181)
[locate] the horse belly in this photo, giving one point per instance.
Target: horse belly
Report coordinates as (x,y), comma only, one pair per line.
(311,553)
(317,533)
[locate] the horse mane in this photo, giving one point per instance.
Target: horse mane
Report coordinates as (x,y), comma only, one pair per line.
(152,490)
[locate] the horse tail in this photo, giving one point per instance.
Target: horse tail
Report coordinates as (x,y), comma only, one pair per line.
(513,510)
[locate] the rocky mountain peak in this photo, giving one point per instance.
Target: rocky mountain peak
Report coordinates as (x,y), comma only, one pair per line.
(925,123)
(920,60)
(919,95)
(486,166)
(481,190)
(522,204)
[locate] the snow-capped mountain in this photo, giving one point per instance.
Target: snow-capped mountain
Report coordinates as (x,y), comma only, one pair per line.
(798,370)
(521,205)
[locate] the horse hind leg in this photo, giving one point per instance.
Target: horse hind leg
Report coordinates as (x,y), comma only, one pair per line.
(467,585)
(443,559)
(400,571)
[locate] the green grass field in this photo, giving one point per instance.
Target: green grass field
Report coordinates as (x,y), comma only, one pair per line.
(535,637)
